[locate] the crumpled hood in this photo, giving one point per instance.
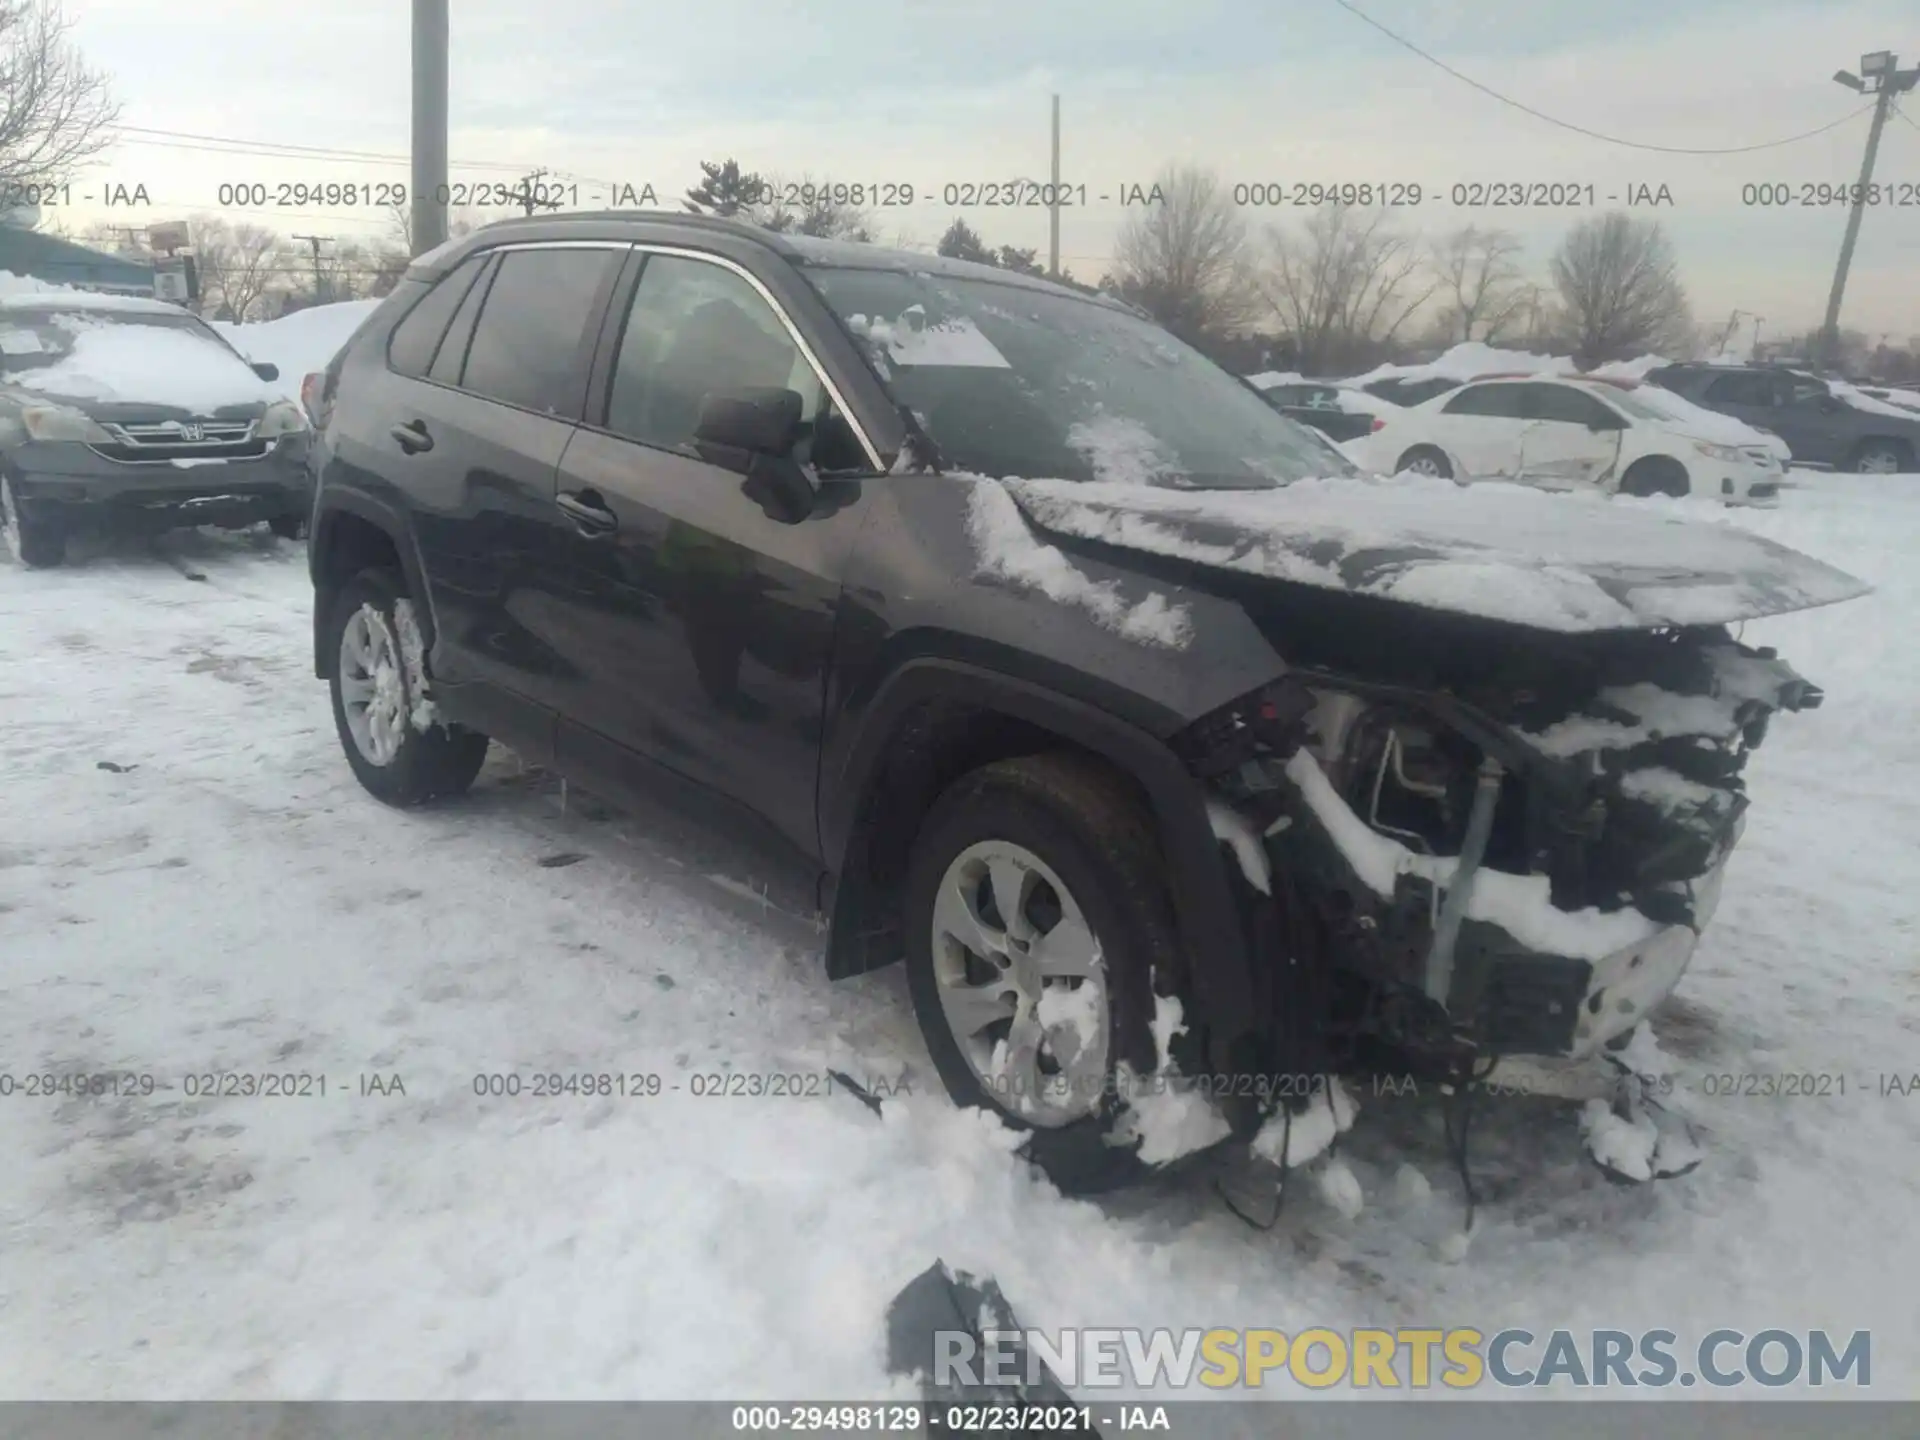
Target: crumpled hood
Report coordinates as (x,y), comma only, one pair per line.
(1565,563)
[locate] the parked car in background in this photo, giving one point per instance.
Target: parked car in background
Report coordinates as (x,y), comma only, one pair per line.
(1562,433)
(1827,424)
(121,413)
(1336,411)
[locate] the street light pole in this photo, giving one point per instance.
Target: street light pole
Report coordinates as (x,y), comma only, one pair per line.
(1880,75)
(429,224)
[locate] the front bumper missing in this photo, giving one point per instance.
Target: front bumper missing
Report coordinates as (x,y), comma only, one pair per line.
(1504,995)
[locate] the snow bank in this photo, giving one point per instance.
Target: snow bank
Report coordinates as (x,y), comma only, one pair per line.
(1267,379)
(12,284)
(1009,550)
(1502,552)
(302,342)
(148,363)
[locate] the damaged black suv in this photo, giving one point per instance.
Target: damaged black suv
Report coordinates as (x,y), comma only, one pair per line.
(1177,760)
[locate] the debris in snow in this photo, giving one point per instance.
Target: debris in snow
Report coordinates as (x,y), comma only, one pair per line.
(561,861)
(1235,830)
(1624,1146)
(413,655)
(1642,1055)
(857,1090)
(1340,1188)
(1452,1249)
(1410,1187)
(1009,550)
(116,769)
(1167,1118)
(1290,1139)
(1522,905)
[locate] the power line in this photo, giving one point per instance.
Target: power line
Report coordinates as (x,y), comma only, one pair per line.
(1401,40)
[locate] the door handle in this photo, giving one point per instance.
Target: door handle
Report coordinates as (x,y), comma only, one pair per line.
(412,437)
(586,512)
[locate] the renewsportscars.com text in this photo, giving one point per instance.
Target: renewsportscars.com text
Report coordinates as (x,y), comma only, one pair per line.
(1458,1358)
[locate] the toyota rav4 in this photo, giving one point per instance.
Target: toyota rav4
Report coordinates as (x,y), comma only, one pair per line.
(1182,764)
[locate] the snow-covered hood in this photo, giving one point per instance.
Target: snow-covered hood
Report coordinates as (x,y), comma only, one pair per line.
(117,368)
(1565,563)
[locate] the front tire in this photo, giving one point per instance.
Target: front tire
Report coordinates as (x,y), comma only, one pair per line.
(35,541)
(1878,457)
(1038,930)
(1655,475)
(1425,460)
(375,703)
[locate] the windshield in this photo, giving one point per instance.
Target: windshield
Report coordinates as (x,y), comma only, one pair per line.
(1014,382)
(38,339)
(1635,406)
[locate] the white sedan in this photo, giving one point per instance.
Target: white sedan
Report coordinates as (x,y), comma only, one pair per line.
(1568,434)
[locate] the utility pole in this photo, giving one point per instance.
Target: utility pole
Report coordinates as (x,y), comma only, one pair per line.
(1880,75)
(1053,210)
(429,225)
(321,290)
(530,198)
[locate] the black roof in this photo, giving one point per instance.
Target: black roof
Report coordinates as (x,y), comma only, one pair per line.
(798,249)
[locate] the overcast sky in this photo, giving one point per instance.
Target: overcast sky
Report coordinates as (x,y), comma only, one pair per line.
(937,92)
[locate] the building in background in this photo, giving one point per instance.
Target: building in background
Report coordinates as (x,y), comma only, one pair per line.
(62,262)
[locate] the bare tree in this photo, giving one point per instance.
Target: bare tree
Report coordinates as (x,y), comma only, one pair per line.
(1345,285)
(1187,259)
(461,220)
(1619,288)
(236,263)
(54,110)
(1480,282)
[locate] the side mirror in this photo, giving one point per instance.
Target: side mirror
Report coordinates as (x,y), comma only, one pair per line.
(736,426)
(753,433)
(267,372)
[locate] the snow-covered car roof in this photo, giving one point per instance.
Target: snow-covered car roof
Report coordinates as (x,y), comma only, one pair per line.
(89,300)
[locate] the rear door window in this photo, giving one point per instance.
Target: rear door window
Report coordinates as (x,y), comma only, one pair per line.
(537,327)
(1505,402)
(1741,388)
(417,337)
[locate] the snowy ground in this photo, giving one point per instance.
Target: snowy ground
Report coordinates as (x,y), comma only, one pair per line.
(229,900)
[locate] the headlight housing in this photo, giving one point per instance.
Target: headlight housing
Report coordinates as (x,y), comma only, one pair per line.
(283,417)
(1718,452)
(59,422)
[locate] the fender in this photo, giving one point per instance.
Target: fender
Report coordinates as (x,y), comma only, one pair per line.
(1205,911)
(334,502)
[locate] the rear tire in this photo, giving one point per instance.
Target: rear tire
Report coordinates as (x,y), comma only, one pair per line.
(1425,460)
(1655,475)
(374,701)
(1092,873)
(1879,457)
(34,540)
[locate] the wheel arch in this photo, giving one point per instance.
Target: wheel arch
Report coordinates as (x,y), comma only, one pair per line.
(935,719)
(351,533)
(1900,443)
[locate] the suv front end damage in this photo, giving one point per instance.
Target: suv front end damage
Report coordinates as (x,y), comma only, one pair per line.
(1515,857)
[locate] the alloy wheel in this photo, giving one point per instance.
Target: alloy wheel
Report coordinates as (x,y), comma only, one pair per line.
(372,688)
(1021,983)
